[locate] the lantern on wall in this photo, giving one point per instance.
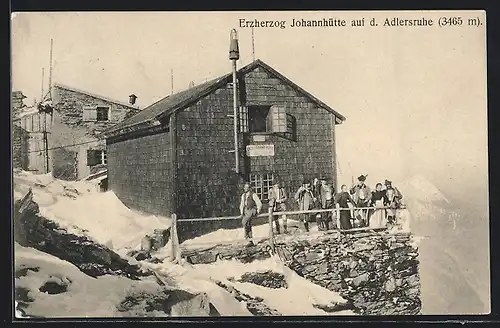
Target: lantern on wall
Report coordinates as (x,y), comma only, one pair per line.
(234,51)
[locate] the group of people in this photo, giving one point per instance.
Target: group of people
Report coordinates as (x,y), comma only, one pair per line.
(319,194)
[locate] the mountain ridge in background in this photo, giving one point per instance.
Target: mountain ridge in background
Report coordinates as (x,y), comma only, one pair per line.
(455,258)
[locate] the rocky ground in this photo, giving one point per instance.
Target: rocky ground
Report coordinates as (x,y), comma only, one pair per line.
(58,273)
(376,272)
(255,305)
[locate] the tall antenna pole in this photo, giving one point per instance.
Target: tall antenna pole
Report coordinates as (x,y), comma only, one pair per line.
(45,139)
(253,46)
(234,55)
(50,68)
(43,71)
(172,81)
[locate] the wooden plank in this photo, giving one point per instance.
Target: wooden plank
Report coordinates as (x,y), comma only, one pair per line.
(25,201)
(176,250)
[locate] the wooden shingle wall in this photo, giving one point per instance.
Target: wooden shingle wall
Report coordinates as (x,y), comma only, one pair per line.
(207,183)
(311,155)
(139,172)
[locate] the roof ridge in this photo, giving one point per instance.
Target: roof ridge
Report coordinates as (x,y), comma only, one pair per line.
(183,98)
(67,87)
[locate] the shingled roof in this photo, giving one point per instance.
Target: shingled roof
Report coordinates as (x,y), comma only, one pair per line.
(183,99)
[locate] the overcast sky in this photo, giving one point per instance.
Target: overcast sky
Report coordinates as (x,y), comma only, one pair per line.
(414,97)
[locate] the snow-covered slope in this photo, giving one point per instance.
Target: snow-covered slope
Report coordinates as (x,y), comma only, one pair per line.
(421,189)
(454,259)
(85,296)
(425,201)
(297,299)
(78,207)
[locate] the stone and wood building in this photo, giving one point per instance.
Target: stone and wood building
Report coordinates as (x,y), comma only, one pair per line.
(76,146)
(177,155)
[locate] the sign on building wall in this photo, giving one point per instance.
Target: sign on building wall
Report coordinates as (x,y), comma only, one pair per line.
(260,150)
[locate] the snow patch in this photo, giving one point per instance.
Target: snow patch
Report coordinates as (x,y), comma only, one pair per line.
(297,299)
(78,207)
(85,296)
(223,236)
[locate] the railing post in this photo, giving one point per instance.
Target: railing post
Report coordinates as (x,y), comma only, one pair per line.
(271,232)
(335,218)
(176,250)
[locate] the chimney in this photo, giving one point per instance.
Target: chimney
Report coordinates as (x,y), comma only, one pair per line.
(132,98)
(191,84)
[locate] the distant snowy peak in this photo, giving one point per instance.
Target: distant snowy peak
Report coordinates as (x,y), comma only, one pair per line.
(420,188)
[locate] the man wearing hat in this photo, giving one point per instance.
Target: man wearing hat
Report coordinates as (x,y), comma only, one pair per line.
(325,195)
(250,206)
(277,202)
(362,196)
(305,198)
(392,199)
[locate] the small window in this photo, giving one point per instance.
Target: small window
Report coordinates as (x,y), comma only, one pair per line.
(96,157)
(102,114)
(258,119)
(268,119)
(277,117)
(261,183)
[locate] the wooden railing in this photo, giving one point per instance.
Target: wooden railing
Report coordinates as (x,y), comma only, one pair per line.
(176,248)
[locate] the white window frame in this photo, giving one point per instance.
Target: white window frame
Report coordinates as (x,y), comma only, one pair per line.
(261,183)
(243,118)
(104,158)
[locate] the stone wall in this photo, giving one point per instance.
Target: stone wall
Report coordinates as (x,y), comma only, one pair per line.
(17,103)
(73,136)
(20,139)
(377,272)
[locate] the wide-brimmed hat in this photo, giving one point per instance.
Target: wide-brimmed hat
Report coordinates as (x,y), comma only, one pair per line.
(362,177)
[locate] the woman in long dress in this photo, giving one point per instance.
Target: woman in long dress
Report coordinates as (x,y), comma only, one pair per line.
(377,219)
(343,200)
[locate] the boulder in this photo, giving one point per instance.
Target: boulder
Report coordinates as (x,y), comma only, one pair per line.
(92,258)
(361,279)
(267,279)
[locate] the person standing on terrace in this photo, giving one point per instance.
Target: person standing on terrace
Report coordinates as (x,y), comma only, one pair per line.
(277,201)
(362,197)
(342,200)
(250,206)
(306,199)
